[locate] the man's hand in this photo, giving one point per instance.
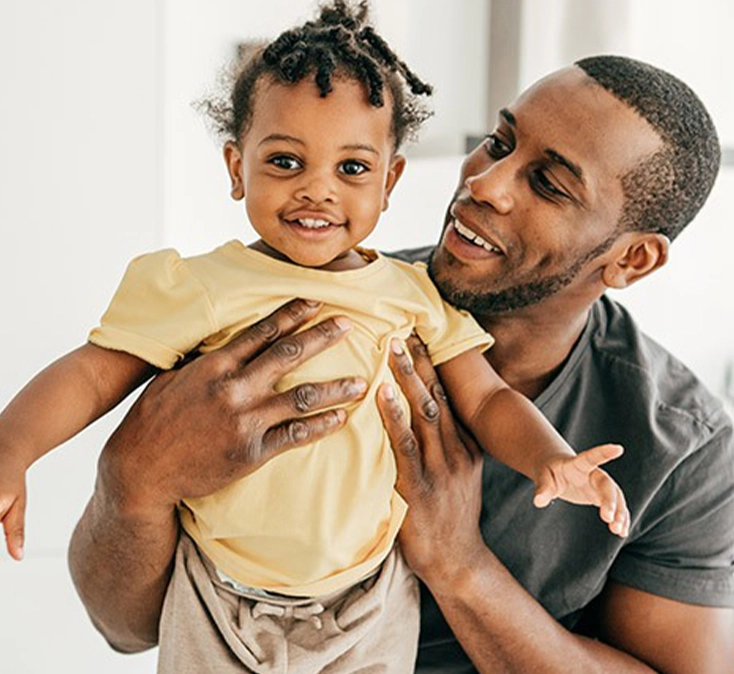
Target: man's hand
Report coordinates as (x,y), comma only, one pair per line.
(197,429)
(192,432)
(439,469)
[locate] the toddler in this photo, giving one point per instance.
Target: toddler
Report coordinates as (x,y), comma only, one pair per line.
(315,122)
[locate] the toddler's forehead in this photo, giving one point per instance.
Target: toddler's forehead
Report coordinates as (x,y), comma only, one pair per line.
(299,109)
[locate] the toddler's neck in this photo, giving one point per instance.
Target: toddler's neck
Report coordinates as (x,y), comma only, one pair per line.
(350,259)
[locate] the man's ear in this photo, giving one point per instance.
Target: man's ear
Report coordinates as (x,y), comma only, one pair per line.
(393,175)
(233,159)
(639,254)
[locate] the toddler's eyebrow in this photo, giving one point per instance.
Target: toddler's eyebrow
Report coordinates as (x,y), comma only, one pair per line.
(360,146)
(276,137)
(273,137)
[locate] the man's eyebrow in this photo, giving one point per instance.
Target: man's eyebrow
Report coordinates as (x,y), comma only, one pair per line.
(508,117)
(568,164)
(554,156)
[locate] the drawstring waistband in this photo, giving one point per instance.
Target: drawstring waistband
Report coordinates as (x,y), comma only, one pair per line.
(307,613)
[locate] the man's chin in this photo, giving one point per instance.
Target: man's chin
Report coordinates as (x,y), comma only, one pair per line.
(445,272)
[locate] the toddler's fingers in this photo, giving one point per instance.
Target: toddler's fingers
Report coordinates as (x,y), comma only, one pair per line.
(597,456)
(14,526)
(621,523)
(545,492)
(607,493)
(6,501)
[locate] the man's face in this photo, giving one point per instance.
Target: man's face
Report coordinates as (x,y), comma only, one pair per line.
(539,200)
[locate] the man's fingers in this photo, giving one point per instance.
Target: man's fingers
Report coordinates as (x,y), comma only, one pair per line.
(289,352)
(14,526)
(422,362)
(257,337)
(422,404)
(298,432)
(307,399)
(408,456)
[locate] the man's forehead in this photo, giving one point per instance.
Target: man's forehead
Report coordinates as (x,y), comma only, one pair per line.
(571,114)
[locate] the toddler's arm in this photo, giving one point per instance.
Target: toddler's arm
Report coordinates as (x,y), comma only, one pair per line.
(55,405)
(514,431)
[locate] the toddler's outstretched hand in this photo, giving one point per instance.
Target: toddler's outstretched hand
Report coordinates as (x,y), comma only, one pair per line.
(12,507)
(579,479)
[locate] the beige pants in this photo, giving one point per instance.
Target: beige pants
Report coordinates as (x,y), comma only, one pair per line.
(206,626)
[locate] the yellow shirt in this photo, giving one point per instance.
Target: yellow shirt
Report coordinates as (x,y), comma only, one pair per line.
(321,517)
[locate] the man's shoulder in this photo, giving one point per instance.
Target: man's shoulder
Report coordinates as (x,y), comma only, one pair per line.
(628,354)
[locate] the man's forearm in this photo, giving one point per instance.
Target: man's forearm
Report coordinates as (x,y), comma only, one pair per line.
(120,562)
(504,630)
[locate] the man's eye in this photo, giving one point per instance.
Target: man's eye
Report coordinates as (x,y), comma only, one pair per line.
(545,186)
(352,167)
(286,162)
(496,147)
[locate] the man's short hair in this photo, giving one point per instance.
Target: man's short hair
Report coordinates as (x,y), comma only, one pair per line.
(665,191)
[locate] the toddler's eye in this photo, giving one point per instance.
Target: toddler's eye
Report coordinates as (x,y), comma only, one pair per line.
(285,161)
(352,167)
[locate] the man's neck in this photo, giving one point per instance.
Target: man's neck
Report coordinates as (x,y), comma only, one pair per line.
(531,346)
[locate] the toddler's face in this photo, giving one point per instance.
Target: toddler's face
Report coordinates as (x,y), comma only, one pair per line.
(315,172)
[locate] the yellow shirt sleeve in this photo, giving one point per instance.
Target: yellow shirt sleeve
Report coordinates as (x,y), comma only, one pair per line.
(445,330)
(159,313)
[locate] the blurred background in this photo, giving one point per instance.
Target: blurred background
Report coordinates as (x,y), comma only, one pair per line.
(102,157)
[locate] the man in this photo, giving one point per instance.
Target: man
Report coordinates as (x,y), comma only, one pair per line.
(586,179)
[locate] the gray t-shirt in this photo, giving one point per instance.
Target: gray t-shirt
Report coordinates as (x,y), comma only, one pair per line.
(677,474)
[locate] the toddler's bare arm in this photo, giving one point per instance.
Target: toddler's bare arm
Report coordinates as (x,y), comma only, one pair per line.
(55,405)
(514,432)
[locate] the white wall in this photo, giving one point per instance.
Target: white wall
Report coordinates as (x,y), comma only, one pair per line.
(101,157)
(79,186)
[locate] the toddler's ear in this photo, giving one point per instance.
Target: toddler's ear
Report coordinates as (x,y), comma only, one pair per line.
(393,175)
(233,159)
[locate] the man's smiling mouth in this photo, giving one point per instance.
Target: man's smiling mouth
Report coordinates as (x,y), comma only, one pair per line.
(468,235)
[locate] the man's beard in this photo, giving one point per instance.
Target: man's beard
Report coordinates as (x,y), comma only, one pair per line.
(491,302)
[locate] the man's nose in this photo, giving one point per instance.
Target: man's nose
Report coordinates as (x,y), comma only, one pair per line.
(317,188)
(492,185)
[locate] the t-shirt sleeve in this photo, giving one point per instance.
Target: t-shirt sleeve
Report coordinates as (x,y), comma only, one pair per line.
(159,313)
(459,332)
(445,330)
(684,546)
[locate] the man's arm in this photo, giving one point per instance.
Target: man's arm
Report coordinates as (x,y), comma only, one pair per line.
(501,627)
(192,432)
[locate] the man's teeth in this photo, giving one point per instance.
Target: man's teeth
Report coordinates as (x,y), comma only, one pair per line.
(477,240)
(313,223)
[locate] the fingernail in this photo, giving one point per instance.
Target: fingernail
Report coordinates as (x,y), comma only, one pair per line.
(311,303)
(360,385)
(397,346)
(388,391)
(344,324)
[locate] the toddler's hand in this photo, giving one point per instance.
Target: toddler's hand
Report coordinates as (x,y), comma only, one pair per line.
(579,480)
(12,507)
